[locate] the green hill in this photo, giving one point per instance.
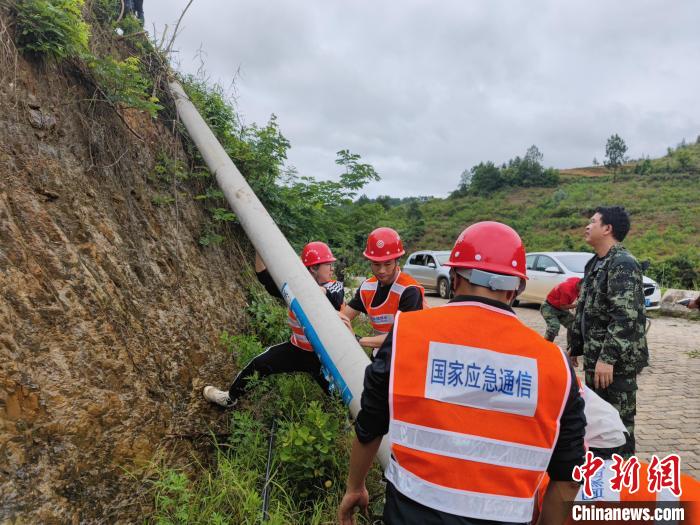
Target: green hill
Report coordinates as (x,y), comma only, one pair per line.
(664,204)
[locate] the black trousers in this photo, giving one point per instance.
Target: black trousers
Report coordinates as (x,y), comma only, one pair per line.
(283,358)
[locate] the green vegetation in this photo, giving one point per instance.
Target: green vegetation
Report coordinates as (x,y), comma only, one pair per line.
(664,208)
(486,177)
(615,149)
(304,208)
(54,28)
(548,208)
(309,462)
(123,83)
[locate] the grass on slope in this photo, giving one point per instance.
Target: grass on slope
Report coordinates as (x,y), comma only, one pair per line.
(664,208)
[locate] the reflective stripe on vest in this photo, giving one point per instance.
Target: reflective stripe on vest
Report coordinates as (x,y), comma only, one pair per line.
(459,502)
(298,337)
(475,401)
(382,317)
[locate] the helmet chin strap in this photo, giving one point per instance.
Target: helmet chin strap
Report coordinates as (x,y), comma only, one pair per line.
(492,281)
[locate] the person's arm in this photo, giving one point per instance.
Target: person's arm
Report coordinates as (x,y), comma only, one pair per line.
(336,294)
(575,331)
(624,300)
(356,495)
(265,278)
(372,341)
(355,306)
(371,424)
(350,312)
(569,452)
(557,502)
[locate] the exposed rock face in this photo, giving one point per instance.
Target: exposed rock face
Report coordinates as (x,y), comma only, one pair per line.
(110,310)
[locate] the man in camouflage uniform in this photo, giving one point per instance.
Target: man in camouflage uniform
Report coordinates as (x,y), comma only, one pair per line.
(609,326)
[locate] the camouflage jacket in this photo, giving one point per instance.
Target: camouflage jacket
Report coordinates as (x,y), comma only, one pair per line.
(610,316)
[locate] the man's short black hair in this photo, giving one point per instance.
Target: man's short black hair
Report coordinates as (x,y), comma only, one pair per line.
(618,218)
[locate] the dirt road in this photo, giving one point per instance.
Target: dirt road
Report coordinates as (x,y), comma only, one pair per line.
(668,401)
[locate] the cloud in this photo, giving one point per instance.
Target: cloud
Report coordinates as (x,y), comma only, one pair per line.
(423,90)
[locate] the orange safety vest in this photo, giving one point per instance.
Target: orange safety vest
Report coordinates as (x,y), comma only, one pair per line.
(475,400)
(298,337)
(382,317)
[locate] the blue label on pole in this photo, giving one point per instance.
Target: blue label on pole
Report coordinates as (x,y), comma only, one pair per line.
(336,378)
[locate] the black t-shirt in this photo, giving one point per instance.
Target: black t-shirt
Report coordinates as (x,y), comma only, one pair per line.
(334,289)
(411,299)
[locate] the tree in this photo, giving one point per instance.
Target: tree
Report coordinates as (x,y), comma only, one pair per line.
(356,174)
(615,150)
(684,159)
(465,181)
(534,155)
(486,178)
(416,224)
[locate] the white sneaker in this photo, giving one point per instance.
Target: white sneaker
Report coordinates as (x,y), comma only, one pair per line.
(219,397)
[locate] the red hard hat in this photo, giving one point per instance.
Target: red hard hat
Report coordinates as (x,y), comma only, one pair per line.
(383,244)
(492,247)
(316,252)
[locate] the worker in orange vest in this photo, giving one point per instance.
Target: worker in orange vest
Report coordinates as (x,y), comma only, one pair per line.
(476,405)
(297,354)
(388,291)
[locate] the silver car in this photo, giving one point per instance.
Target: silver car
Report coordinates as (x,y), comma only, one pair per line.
(547,269)
(427,268)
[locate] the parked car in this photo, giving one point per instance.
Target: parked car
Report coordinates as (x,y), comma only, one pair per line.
(427,268)
(547,269)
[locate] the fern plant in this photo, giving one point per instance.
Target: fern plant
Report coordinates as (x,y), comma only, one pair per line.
(52,28)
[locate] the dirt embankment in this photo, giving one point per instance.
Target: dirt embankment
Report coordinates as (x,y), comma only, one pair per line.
(109,308)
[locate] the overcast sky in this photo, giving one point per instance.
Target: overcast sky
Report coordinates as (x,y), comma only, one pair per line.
(424,89)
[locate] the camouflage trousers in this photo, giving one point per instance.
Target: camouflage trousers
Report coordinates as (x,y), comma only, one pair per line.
(622,394)
(554,317)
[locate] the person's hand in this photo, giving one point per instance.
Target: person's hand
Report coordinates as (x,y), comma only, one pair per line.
(573,359)
(346,322)
(351,500)
(603,375)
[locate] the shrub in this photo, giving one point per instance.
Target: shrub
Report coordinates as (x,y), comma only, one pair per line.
(268,318)
(643,168)
(679,271)
(122,82)
(52,28)
(106,11)
(308,449)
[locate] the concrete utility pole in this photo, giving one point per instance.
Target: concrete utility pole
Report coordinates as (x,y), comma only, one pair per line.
(338,350)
